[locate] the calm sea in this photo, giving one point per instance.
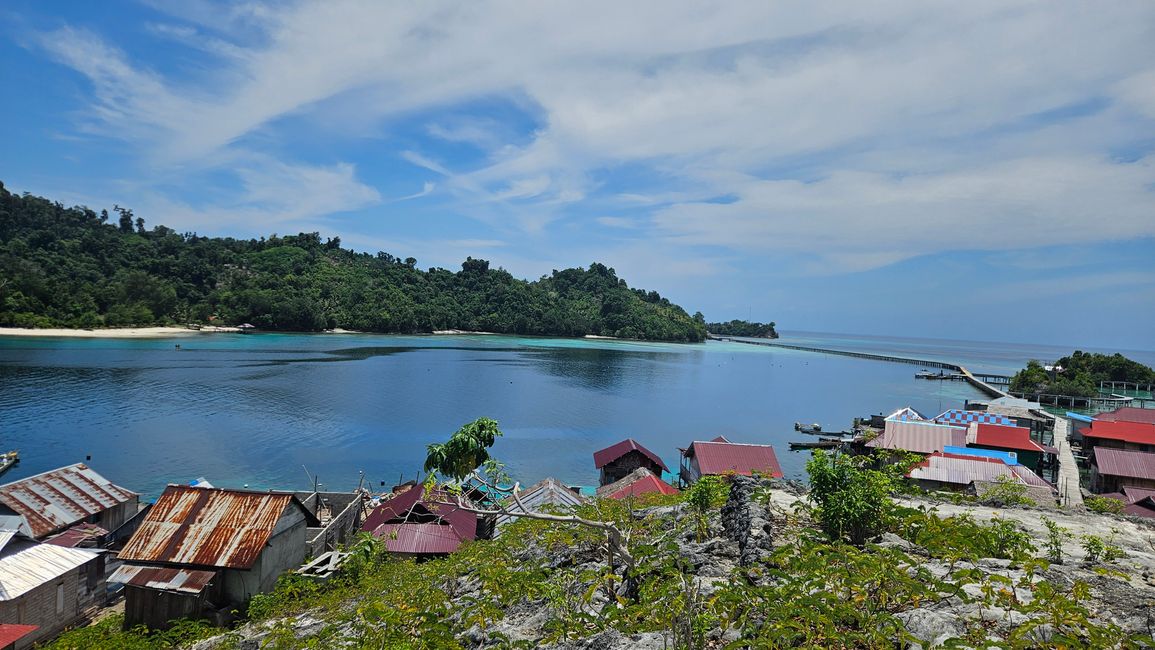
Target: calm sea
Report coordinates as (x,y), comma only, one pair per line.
(258,410)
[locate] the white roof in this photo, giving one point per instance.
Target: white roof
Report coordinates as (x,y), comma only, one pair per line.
(25,565)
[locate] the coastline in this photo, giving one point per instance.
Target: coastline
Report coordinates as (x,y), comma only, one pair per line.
(113,333)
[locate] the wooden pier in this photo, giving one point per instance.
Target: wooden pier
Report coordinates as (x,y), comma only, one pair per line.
(971,378)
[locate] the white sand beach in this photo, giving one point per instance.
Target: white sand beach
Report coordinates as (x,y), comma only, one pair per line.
(111,333)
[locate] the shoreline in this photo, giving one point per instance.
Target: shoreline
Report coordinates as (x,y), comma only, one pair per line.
(110,333)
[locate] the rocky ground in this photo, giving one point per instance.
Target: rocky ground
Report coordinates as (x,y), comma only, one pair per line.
(745,532)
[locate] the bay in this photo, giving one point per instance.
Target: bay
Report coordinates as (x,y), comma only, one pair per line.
(253,409)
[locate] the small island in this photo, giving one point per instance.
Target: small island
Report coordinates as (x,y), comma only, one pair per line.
(743,328)
(1079,375)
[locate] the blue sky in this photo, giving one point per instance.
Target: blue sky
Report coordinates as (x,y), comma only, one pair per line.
(980,170)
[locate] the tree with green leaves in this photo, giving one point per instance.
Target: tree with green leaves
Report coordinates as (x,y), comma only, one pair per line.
(852,501)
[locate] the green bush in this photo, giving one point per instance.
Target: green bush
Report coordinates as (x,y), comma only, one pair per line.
(1104,505)
(1005,492)
(852,501)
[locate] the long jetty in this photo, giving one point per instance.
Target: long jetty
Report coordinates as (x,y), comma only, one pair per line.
(974,380)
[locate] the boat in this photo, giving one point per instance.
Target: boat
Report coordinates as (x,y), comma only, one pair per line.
(7,460)
(808,428)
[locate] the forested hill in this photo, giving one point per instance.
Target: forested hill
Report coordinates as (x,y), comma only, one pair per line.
(73,267)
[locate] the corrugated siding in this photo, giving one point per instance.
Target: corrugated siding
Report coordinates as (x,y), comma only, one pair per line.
(1136,432)
(62,497)
(919,437)
(164,578)
(1130,464)
(207,527)
(419,539)
(1004,437)
(964,471)
(26,565)
(608,455)
(723,457)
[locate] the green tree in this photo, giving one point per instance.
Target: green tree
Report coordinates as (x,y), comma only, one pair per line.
(852,502)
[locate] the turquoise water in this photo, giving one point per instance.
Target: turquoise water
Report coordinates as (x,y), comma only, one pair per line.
(251,410)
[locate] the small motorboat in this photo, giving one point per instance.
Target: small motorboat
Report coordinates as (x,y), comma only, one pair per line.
(8,459)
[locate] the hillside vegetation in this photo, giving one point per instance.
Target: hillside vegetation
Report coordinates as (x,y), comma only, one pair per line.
(74,267)
(743,328)
(1080,375)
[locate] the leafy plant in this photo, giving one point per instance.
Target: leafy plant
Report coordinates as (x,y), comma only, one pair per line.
(1006,491)
(852,501)
(707,493)
(1103,505)
(1099,550)
(1056,534)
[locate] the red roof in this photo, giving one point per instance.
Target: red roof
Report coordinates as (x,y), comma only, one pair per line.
(648,484)
(722,457)
(11,633)
(1128,414)
(1004,437)
(614,452)
(1135,432)
(419,539)
(1130,464)
(413,509)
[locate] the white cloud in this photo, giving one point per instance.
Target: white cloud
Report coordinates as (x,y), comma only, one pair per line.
(864,133)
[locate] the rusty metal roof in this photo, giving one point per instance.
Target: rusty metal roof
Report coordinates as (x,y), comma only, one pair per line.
(414,506)
(1131,464)
(603,457)
(77,535)
(729,457)
(62,497)
(189,581)
(25,565)
(1128,414)
(208,527)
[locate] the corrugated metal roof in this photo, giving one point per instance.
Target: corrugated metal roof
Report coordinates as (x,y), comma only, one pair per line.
(1130,464)
(208,527)
(1003,437)
(638,482)
(1008,457)
(1134,494)
(25,565)
(57,499)
(1128,414)
(1137,432)
(964,418)
(744,459)
(404,507)
(963,470)
(419,539)
(920,437)
(1144,508)
(549,492)
(608,455)
(11,633)
(189,581)
(77,535)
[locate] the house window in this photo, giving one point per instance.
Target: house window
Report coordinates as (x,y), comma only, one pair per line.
(60,598)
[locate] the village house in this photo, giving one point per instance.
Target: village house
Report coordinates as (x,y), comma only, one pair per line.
(1138,502)
(338,519)
(1021,412)
(548,495)
(617,461)
(636,483)
(1015,439)
(46,587)
(201,552)
(720,456)
(52,502)
(959,472)
(1130,429)
(416,524)
(1115,469)
(907,430)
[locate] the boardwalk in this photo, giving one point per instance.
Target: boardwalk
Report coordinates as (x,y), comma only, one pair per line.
(971,378)
(1070,496)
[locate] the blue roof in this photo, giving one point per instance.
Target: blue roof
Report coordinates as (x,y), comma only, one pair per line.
(1079,417)
(1008,457)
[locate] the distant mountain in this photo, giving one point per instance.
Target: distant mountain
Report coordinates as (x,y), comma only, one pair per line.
(73,267)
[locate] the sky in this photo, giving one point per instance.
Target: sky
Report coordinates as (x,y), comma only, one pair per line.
(981,170)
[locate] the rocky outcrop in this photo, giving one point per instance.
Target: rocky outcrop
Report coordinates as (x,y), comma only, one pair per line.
(746,521)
